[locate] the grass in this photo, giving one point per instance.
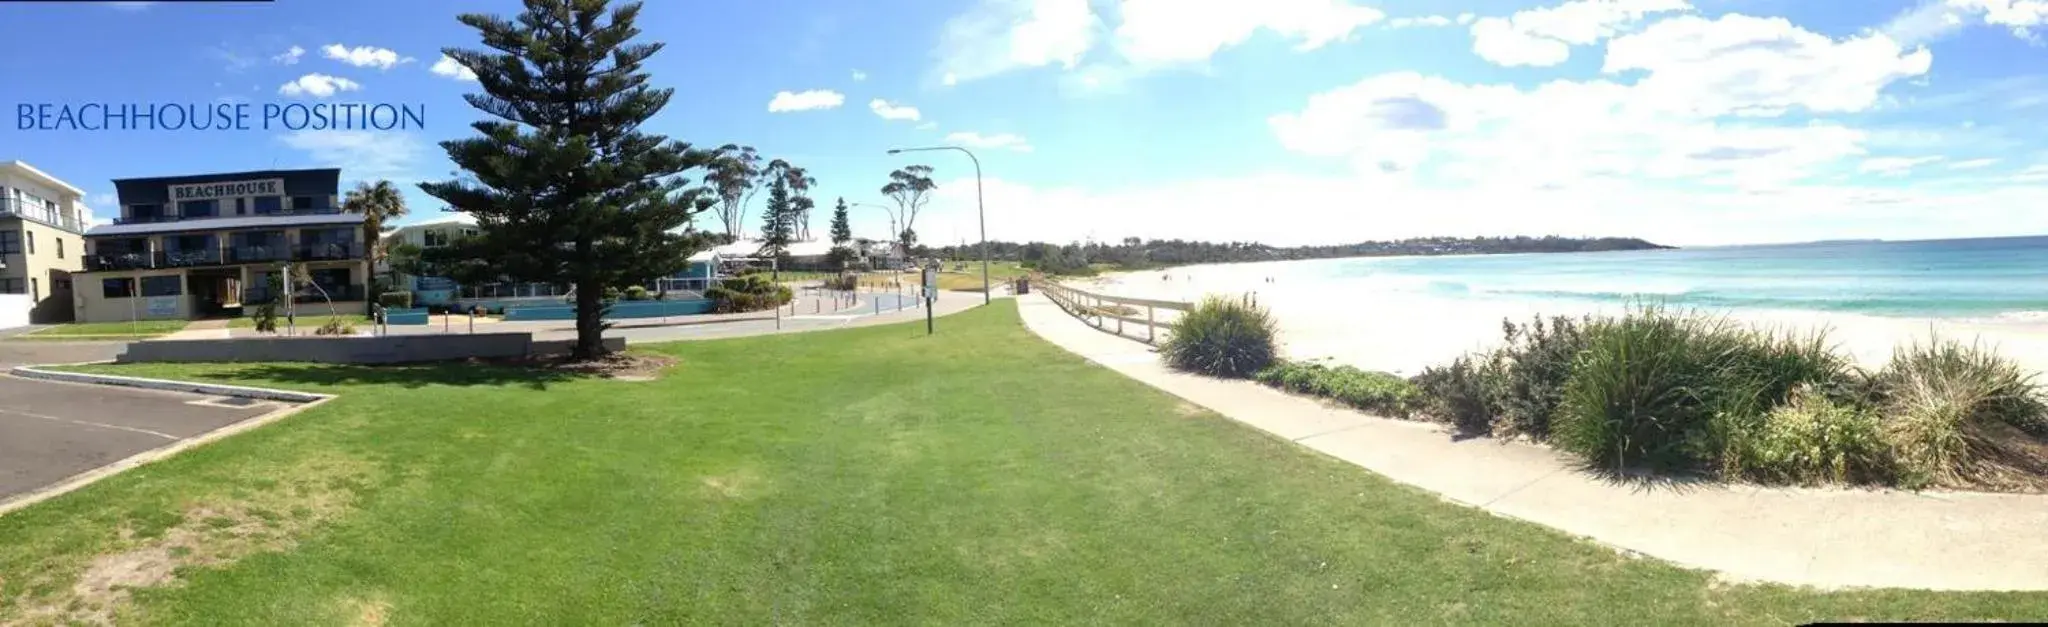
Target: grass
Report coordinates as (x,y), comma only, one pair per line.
(912,482)
(138,330)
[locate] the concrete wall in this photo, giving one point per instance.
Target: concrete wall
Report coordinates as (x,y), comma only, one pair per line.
(389,349)
(13,310)
(620,310)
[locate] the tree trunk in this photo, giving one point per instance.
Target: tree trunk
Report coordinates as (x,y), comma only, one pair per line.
(589,322)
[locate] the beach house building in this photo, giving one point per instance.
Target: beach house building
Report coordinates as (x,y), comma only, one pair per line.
(206,245)
(42,225)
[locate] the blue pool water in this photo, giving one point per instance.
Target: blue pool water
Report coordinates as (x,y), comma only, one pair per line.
(1999,277)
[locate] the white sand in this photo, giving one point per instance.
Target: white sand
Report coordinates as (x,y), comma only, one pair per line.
(1403,332)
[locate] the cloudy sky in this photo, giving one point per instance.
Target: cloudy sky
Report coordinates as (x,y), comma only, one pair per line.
(1283,121)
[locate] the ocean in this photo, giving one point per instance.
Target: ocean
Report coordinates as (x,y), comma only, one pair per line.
(1401,313)
(1967,278)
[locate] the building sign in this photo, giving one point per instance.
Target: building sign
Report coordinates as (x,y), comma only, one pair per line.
(163,306)
(227,189)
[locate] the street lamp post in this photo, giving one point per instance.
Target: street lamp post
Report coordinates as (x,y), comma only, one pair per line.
(979,214)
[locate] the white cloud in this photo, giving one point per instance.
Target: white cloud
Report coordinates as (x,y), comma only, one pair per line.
(317,85)
(928,126)
(1001,141)
(894,111)
(2032,175)
(1180,31)
(1760,66)
(290,57)
(364,56)
(1972,164)
(1934,19)
(1894,166)
(1543,37)
(130,6)
(449,67)
(362,155)
(1427,20)
(1466,18)
(859,76)
(810,100)
(1002,35)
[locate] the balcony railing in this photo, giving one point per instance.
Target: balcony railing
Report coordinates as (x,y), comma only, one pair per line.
(327,252)
(9,207)
(151,219)
(211,256)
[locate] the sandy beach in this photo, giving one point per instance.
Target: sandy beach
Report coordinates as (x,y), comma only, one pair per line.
(1405,332)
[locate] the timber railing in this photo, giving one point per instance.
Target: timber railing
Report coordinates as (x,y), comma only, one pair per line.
(1102,309)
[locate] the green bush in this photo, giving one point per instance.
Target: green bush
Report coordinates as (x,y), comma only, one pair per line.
(1812,438)
(754,292)
(1649,386)
(336,326)
(1460,394)
(1222,337)
(636,293)
(843,282)
(1377,392)
(1530,370)
(395,300)
(1938,400)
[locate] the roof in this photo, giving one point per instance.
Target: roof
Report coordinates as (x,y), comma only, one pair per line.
(41,176)
(451,218)
(220,224)
(217,177)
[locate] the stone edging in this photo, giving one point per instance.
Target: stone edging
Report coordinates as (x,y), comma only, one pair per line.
(35,372)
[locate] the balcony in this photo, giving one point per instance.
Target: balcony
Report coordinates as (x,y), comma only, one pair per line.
(152,219)
(10,208)
(211,256)
(327,252)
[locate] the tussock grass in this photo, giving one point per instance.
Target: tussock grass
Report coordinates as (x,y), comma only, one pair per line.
(1222,337)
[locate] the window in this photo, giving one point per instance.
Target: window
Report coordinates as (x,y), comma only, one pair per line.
(10,286)
(117,288)
(10,244)
(35,290)
(60,248)
(31,241)
(302,203)
(61,285)
(269,204)
(145,212)
(163,285)
(241,206)
(199,208)
(334,280)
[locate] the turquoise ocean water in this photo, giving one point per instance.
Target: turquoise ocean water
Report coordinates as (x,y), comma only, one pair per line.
(1972,278)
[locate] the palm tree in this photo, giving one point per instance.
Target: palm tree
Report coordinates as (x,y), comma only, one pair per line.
(378,202)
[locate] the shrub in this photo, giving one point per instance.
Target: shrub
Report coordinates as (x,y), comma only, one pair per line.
(1940,398)
(636,293)
(1222,337)
(395,300)
(1812,438)
(754,292)
(1378,392)
(336,326)
(1460,393)
(1531,368)
(846,282)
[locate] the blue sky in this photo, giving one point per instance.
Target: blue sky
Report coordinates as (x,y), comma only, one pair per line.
(1284,121)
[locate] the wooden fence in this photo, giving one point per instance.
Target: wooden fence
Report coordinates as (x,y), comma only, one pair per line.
(1102,309)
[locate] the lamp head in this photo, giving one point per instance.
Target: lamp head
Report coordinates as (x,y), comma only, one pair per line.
(895,151)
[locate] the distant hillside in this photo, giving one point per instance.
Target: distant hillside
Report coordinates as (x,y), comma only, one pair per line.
(1136,254)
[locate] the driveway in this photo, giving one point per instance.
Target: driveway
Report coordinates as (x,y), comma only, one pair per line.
(52,431)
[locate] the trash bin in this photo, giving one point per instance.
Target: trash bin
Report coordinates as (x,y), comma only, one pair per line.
(1023,285)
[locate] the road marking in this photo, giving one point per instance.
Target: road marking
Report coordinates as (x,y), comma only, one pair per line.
(86,423)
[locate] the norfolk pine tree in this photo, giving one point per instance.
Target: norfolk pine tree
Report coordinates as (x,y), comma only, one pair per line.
(842,234)
(564,186)
(777,221)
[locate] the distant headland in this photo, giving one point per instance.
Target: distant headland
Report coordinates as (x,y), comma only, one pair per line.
(1133,253)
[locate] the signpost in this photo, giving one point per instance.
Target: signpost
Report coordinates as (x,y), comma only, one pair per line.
(931,293)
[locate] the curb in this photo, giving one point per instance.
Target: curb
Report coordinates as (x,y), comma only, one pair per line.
(35,372)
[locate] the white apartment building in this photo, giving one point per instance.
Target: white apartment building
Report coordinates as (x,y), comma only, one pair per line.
(42,222)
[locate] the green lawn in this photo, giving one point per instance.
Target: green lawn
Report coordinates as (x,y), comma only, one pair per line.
(141,329)
(976,476)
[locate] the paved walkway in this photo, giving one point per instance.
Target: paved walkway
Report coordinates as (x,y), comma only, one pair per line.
(215,329)
(1823,538)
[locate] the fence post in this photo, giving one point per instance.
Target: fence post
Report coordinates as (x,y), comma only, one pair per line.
(1151,335)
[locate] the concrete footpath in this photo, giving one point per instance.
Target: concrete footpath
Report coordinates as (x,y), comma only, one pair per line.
(1817,537)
